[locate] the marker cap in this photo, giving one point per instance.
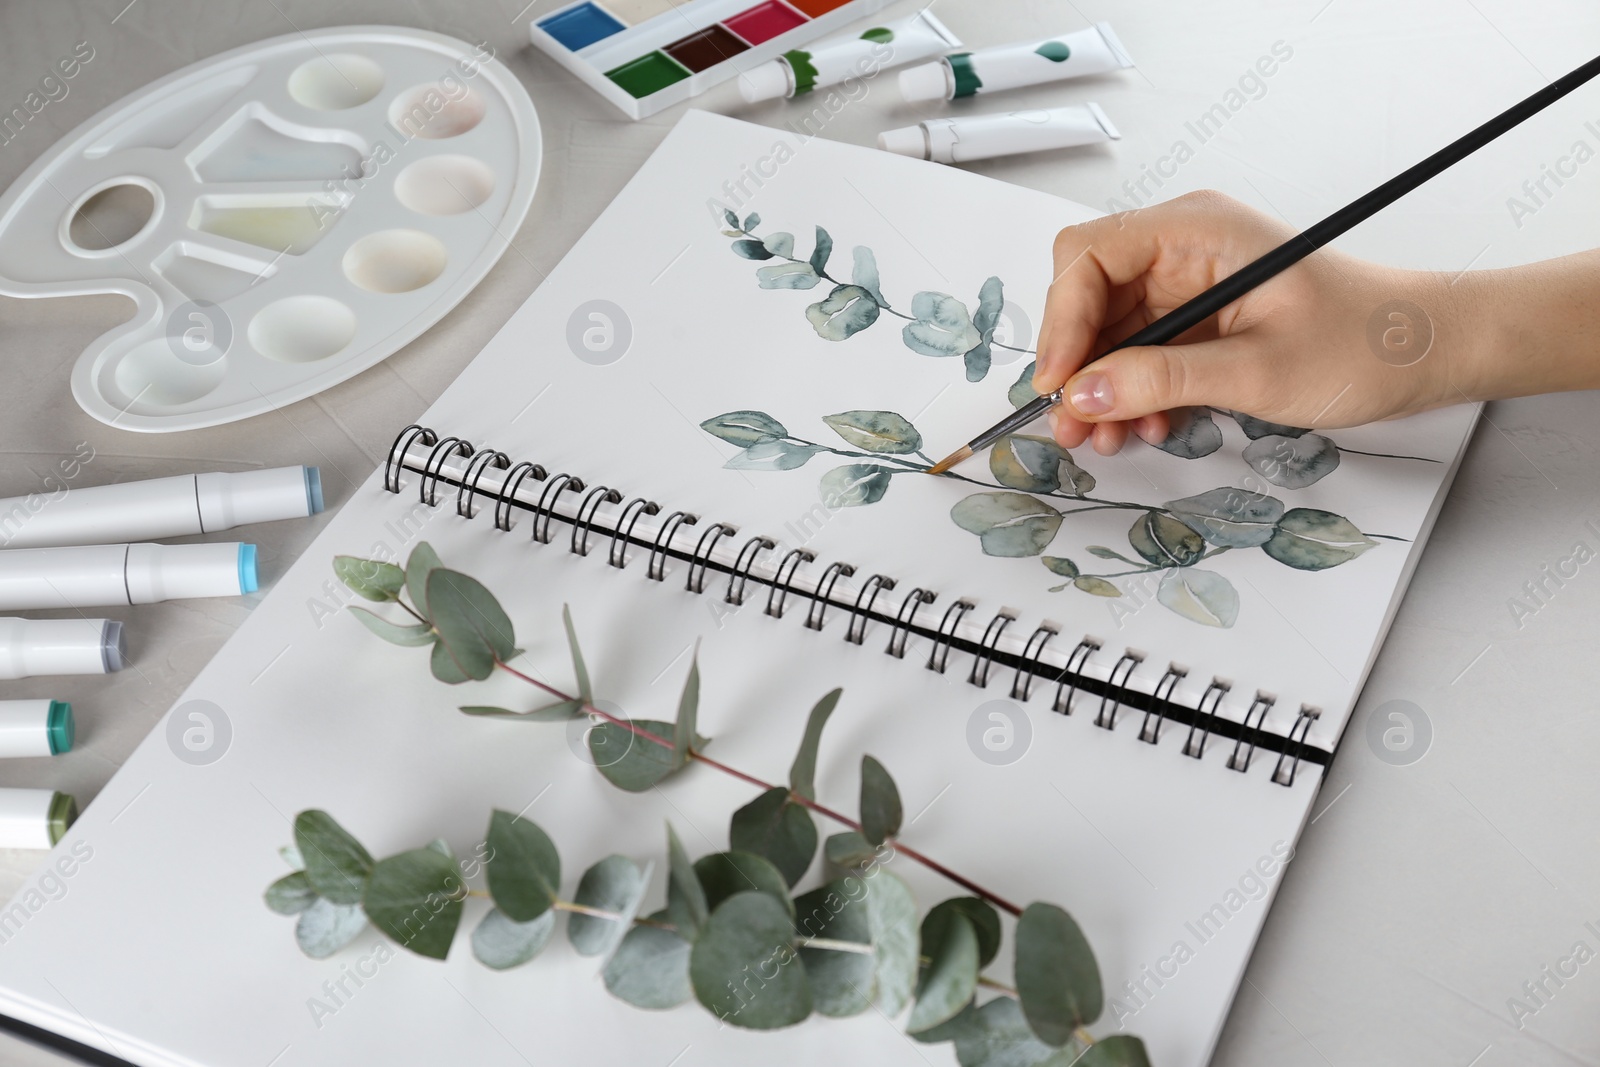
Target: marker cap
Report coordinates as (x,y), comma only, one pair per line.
(35,818)
(906,141)
(30,647)
(171,572)
(41,727)
(927,81)
(229,500)
(769,81)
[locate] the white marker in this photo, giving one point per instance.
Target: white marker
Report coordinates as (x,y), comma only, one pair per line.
(160,507)
(32,647)
(98,575)
(854,55)
(986,136)
(35,727)
(35,818)
(1095,50)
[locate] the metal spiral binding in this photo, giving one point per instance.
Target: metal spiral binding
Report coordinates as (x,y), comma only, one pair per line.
(1262,704)
(856,631)
(979,675)
(946,633)
(1067,684)
(435,454)
(819,599)
(1159,699)
(1110,703)
(696,582)
(618,556)
(784,578)
(741,568)
(904,618)
(1022,681)
(584,519)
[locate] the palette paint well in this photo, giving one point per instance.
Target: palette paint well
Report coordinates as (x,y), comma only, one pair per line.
(765,21)
(703,50)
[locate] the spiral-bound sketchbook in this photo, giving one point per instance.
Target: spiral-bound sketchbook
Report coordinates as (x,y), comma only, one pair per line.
(1109,683)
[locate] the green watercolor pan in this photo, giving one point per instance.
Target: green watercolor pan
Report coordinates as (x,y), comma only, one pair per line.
(646,55)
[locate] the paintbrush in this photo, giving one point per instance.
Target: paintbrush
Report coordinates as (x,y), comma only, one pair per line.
(1292,251)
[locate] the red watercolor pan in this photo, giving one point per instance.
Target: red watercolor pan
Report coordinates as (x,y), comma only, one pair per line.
(765,21)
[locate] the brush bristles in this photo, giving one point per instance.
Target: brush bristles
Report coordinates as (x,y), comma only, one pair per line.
(960,455)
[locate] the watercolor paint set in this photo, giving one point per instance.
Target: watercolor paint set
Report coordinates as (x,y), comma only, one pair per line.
(646,55)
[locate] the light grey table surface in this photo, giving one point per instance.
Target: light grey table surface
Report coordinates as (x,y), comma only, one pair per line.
(1425,894)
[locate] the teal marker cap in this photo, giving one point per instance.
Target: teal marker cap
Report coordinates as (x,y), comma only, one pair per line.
(313,490)
(59,727)
(247,569)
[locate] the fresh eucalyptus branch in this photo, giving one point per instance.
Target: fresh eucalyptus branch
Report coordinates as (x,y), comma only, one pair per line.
(732,934)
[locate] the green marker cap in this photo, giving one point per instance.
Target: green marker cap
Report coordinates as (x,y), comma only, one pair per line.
(63,813)
(60,727)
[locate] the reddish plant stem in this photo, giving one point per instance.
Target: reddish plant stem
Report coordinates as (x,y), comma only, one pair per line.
(903,849)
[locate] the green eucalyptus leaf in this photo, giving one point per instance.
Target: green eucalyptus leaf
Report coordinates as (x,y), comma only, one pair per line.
(977,360)
(579,670)
(1229,517)
(876,431)
(985,924)
(291,856)
(1102,552)
(470,622)
(1200,596)
(880,803)
(849,849)
(751,221)
(803,772)
(750,934)
(1309,539)
(444,665)
(1060,565)
(687,905)
(865,273)
(370,578)
(422,561)
(1022,392)
(1293,462)
(562,711)
(751,249)
(1255,428)
(395,633)
(843,313)
(722,874)
(941,326)
(1057,978)
(1008,524)
(1119,1050)
(822,251)
(779,244)
(613,884)
(325,927)
(854,485)
(947,984)
(650,969)
(842,983)
(1037,465)
(501,943)
(744,428)
(630,762)
(1095,586)
(892,917)
(336,864)
(524,867)
(1191,434)
(291,894)
(1165,541)
(415,898)
(731,219)
(997,1035)
(787,275)
(772,825)
(683,730)
(442,847)
(772,456)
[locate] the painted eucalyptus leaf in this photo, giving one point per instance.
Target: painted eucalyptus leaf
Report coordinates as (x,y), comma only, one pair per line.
(1165,541)
(686,897)
(1037,465)
(1060,565)
(1293,462)
(650,969)
(524,867)
(1191,434)
(415,898)
(941,326)
(876,431)
(843,313)
(325,927)
(422,561)
(731,219)
(854,485)
(821,251)
(977,361)
(948,982)
(772,825)
(1022,392)
(470,622)
(613,884)
(1199,595)
(722,874)
(291,894)
(408,636)
(1255,428)
(779,244)
(1102,552)
(1095,586)
(1229,517)
(751,221)
(750,933)
(772,456)
(370,578)
(803,772)
(787,275)
(336,864)
(1057,979)
(842,983)
(865,273)
(744,428)
(751,249)
(892,918)
(1008,524)
(500,943)
(1309,539)
(881,811)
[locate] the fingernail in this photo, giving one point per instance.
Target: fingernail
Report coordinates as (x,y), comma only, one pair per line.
(1091,394)
(1146,430)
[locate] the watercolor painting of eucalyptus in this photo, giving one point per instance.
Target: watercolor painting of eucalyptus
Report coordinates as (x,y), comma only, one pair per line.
(1036,486)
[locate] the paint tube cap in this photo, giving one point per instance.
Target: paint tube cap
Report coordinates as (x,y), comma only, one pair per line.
(769,81)
(905,141)
(926,81)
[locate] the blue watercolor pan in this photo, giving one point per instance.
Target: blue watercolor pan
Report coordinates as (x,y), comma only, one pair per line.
(578,27)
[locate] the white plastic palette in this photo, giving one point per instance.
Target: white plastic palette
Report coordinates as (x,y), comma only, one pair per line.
(315,202)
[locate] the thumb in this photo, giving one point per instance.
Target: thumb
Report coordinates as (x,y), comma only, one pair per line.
(1133,382)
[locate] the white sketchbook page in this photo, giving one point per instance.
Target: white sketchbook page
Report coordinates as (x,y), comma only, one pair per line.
(189,967)
(706,340)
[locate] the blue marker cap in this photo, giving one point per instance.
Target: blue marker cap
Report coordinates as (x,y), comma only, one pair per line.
(247,569)
(313,490)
